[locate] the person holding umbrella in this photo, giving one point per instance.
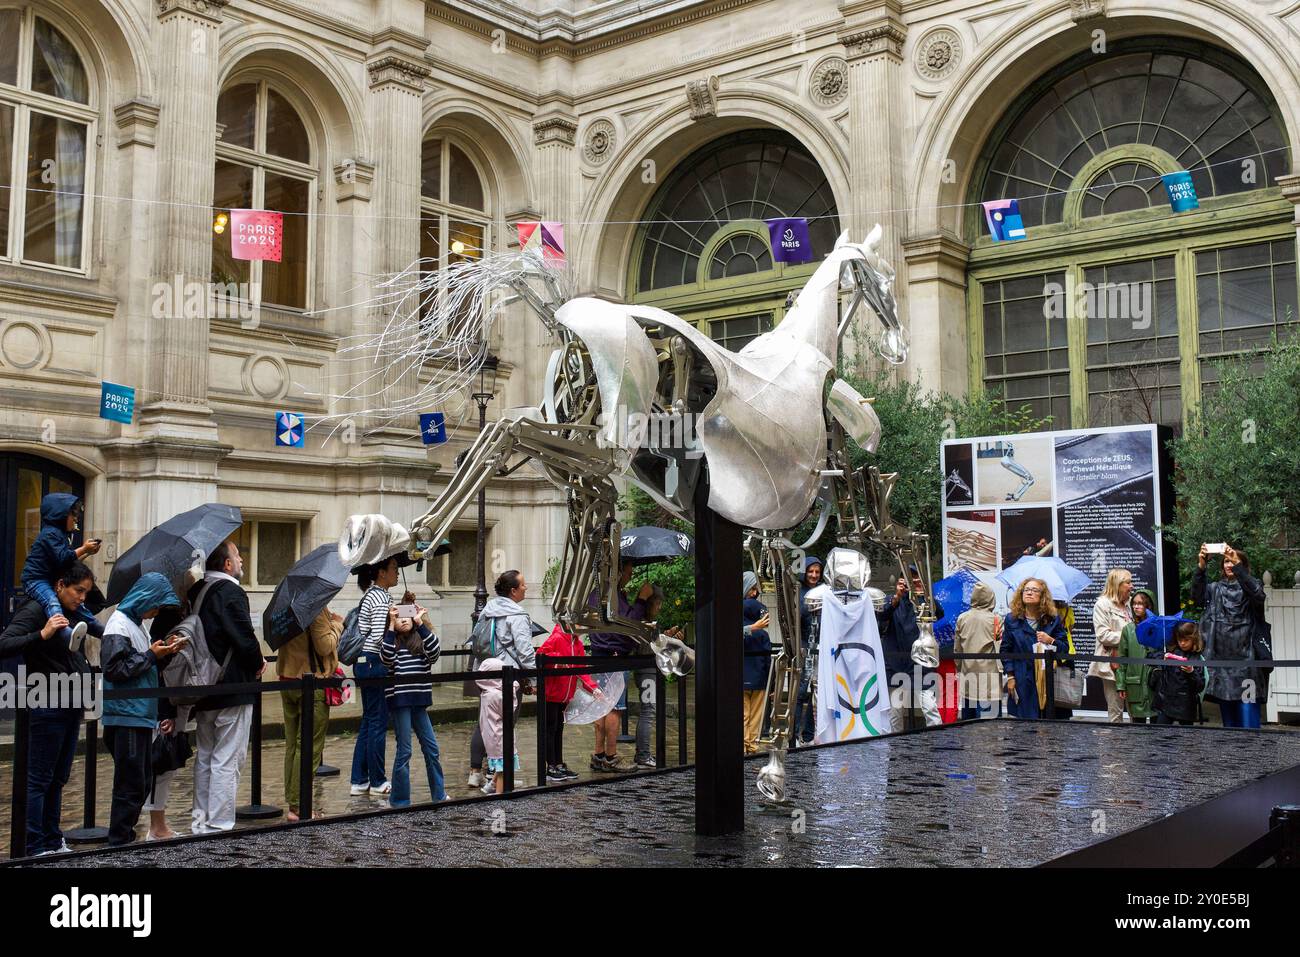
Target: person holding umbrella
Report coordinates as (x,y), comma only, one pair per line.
(299,626)
(369,754)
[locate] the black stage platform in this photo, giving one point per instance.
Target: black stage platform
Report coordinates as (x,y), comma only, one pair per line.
(994,793)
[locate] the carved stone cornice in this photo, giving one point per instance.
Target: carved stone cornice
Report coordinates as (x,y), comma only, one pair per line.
(1290,186)
(392,70)
(206,9)
(137,121)
(354,177)
(886,38)
(555,129)
(1081,10)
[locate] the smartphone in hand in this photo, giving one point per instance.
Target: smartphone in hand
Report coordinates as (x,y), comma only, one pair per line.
(407,611)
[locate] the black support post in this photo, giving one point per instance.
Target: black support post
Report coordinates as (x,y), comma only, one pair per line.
(257,810)
(719,711)
(88,833)
(682,755)
(508,728)
(661,720)
(18,806)
(306,735)
(541,721)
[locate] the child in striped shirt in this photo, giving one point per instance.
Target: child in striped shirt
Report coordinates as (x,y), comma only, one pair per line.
(409,650)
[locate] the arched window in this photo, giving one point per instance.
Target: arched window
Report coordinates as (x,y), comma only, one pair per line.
(1106,312)
(454,208)
(704,251)
(46,126)
(264,161)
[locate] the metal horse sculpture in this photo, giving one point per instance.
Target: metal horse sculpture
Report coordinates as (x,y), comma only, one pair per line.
(635,391)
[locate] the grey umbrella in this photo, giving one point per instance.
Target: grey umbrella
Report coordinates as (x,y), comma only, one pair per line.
(306,589)
(174,547)
(648,543)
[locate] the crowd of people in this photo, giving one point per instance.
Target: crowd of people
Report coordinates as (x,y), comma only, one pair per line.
(147,740)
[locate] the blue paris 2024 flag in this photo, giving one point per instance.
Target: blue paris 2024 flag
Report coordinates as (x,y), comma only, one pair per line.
(1181,190)
(116,402)
(433,428)
(790,240)
(1003,217)
(289,429)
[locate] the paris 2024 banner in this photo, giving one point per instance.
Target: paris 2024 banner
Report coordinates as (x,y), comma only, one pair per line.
(1090,497)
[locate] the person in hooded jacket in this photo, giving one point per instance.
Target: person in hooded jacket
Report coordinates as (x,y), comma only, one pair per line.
(755,617)
(1131,680)
(130,661)
(1176,690)
(52,731)
(979,630)
(49,555)
(514,640)
(899,630)
(805,717)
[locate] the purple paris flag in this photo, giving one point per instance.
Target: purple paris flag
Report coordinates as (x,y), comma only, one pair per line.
(790,240)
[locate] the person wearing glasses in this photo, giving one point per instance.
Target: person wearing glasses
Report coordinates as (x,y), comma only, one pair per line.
(1033,620)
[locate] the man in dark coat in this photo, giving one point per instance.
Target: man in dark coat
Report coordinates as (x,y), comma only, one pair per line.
(899,630)
(223,721)
(53,725)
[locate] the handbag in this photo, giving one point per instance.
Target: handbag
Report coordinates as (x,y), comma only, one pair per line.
(337,697)
(170,752)
(1069,686)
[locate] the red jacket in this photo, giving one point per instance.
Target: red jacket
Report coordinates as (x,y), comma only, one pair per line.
(561,644)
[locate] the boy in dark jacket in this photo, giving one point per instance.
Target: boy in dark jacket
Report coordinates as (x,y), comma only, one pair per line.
(50,554)
(755,618)
(1176,691)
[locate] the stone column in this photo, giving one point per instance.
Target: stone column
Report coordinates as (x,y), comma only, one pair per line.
(936,296)
(174,400)
(397,82)
(1290,185)
(873,37)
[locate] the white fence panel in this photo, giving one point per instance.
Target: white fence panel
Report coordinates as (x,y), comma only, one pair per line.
(1283,613)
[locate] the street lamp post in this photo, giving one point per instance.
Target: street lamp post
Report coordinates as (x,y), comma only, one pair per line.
(487,381)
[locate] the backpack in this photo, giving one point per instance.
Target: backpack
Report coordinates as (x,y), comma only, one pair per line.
(194,666)
(483,641)
(351,640)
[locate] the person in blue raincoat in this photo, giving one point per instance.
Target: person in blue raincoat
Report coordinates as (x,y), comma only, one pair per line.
(1033,619)
(131,659)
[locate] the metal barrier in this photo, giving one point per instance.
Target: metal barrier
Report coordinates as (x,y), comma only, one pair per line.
(549,668)
(309,685)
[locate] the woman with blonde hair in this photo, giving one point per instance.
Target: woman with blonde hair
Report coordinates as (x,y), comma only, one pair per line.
(1033,619)
(1109,616)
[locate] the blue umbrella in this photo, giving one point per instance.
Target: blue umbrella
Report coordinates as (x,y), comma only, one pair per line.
(1062,580)
(953,593)
(1154,631)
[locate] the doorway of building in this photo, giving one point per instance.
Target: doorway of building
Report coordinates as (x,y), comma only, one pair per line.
(24,481)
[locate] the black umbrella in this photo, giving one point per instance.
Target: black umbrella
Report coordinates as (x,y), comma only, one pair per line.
(174,547)
(646,543)
(306,588)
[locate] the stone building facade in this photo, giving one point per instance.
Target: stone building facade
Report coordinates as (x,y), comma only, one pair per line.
(661,133)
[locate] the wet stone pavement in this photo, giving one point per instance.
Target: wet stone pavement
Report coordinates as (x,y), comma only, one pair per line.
(331,795)
(997,793)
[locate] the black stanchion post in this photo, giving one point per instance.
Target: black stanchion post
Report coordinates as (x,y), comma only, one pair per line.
(682,700)
(18,806)
(88,833)
(661,720)
(508,727)
(542,717)
(1049,664)
(306,735)
(719,708)
(257,810)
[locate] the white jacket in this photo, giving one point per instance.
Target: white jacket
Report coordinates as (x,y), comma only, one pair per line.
(1108,621)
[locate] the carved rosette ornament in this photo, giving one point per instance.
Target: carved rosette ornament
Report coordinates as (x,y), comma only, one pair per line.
(599,143)
(829,83)
(939,53)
